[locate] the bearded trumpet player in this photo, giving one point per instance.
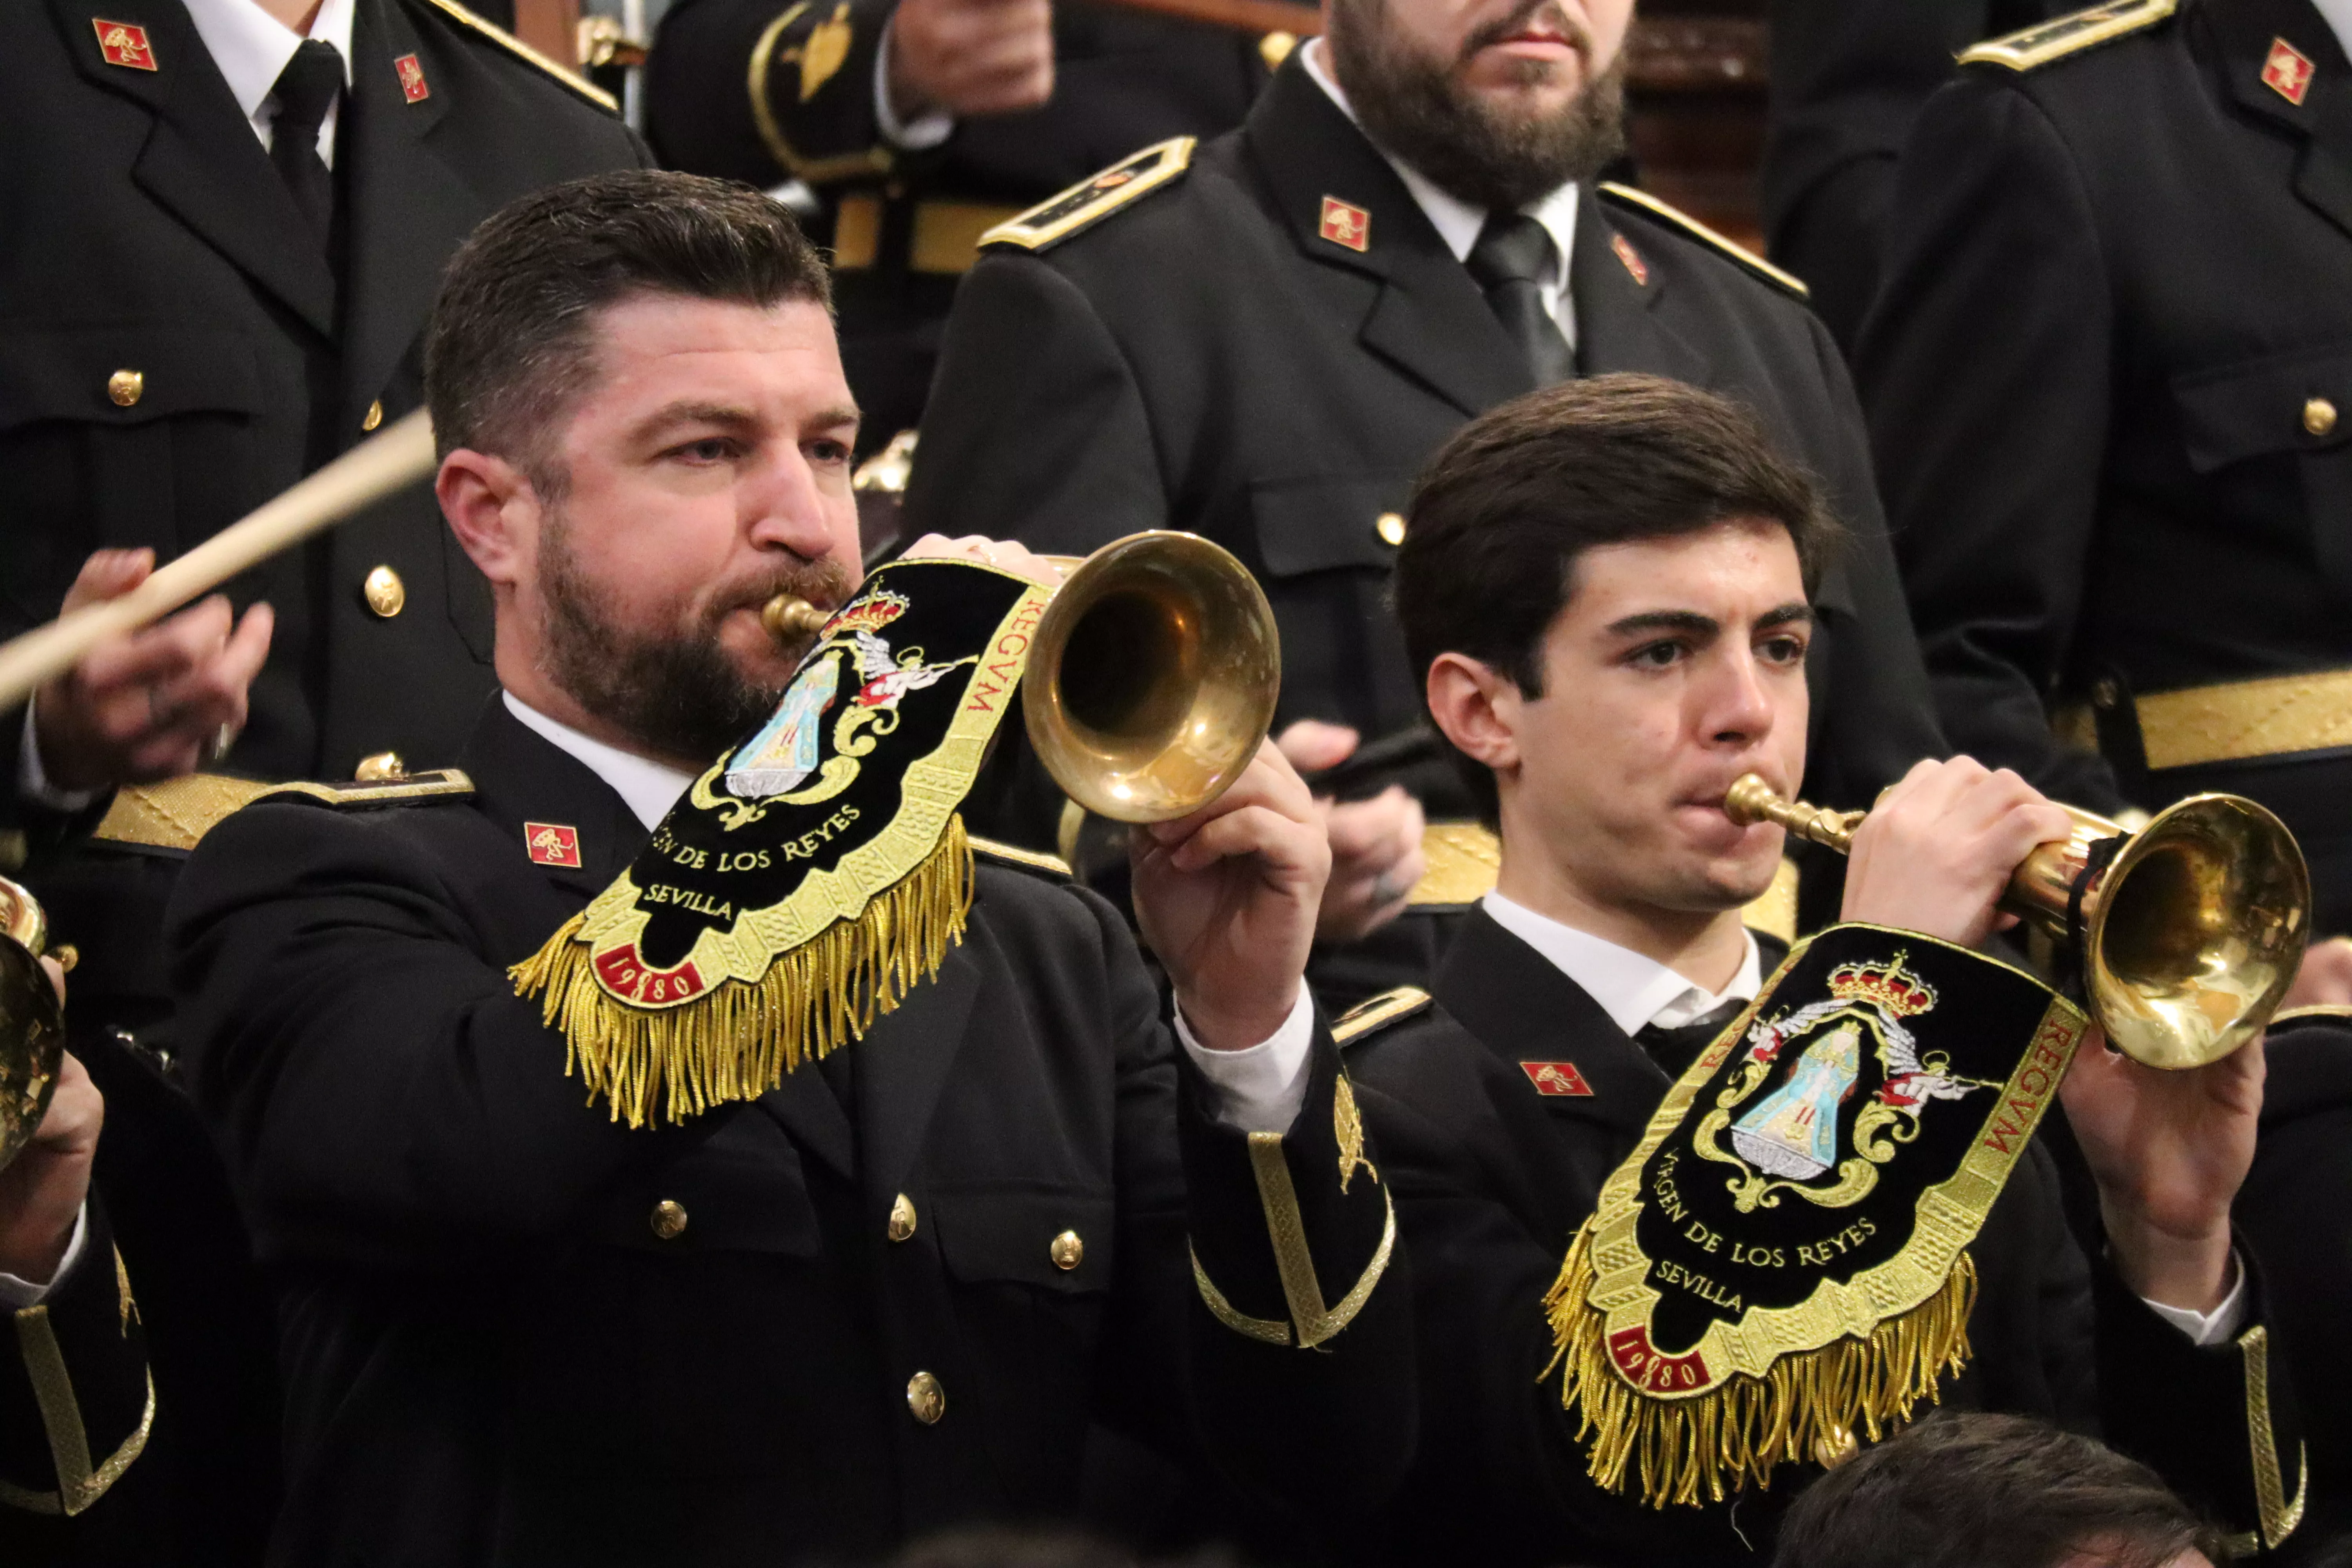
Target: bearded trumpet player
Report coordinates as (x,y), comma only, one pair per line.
(716,1160)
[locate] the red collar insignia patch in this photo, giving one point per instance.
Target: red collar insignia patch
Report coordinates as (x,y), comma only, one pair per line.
(125,44)
(1346,224)
(551,844)
(2287,72)
(1631,257)
(1557,1078)
(412,80)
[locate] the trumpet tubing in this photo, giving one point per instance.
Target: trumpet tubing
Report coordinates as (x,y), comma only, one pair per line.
(2188,931)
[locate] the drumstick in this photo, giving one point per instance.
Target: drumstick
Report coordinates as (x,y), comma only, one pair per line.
(393,459)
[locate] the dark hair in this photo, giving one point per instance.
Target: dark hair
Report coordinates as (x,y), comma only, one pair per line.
(510,342)
(1503,510)
(1988,1491)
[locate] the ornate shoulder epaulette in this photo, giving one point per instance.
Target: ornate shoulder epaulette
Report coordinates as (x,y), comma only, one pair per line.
(2037,46)
(178,813)
(525,53)
(436,784)
(1091,200)
(1053,866)
(1675,217)
(1388,1007)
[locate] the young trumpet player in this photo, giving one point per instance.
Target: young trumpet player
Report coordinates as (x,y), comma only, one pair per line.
(1690,1217)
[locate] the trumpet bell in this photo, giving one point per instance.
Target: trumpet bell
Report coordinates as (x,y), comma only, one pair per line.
(1153,677)
(32,1025)
(2195,932)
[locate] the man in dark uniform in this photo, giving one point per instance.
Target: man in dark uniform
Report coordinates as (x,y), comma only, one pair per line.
(2104,379)
(137,1402)
(232,218)
(1260,340)
(2299,1187)
(1608,586)
(803,1316)
(1848,78)
(920,124)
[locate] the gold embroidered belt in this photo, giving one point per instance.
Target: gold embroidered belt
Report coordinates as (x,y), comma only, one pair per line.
(2233,722)
(945,239)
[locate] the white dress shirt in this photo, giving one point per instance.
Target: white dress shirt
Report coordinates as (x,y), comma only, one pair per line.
(2338,15)
(1457,221)
(1635,989)
(251,47)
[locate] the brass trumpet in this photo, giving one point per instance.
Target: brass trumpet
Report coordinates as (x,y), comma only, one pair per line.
(32,1025)
(2188,931)
(1152,674)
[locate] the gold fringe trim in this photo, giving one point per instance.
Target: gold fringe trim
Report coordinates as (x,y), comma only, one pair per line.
(739,1041)
(1806,1406)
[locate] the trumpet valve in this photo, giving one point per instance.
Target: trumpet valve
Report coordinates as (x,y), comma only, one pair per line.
(789,617)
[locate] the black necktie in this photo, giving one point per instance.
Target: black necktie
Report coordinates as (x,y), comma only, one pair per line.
(1512,258)
(306,89)
(1675,1048)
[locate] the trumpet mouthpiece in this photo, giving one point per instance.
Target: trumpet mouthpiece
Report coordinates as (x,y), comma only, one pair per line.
(789,617)
(1751,800)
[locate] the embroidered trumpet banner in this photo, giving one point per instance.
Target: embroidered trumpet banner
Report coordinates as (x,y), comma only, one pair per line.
(812,875)
(1783,1263)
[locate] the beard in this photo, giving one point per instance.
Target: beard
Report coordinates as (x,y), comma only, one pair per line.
(1417,110)
(676,695)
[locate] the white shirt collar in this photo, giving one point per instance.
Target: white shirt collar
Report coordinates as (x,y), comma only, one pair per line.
(251,47)
(1633,988)
(1457,221)
(2338,15)
(650,788)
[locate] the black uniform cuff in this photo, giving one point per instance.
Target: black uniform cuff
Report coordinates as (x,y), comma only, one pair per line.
(2218,1422)
(75,1398)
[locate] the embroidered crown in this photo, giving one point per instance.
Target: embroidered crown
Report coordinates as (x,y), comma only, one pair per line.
(1886,984)
(868,615)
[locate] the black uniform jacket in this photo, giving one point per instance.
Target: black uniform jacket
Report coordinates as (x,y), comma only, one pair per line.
(1848,78)
(515,1331)
(1491,1181)
(155,238)
(151,239)
(2297,1207)
(149,1368)
(1203,359)
(2102,377)
(1121,80)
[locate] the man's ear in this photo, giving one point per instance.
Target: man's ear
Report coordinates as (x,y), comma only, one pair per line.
(494,513)
(1477,708)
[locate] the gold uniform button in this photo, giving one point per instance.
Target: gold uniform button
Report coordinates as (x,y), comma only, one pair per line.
(2318,416)
(926,1398)
(669,1219)
(382,768)
(1068,1251)
(125,385)
(375,416)
(902,1218)
(385,594)
(1390,528)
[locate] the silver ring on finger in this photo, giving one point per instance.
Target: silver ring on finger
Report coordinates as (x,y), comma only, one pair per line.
(223,739)
(1386,891)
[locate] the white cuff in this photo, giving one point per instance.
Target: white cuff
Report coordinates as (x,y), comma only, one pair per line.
(33,780)
(15,1294)
(928,131)
(2211,1328)
(1259,1089)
